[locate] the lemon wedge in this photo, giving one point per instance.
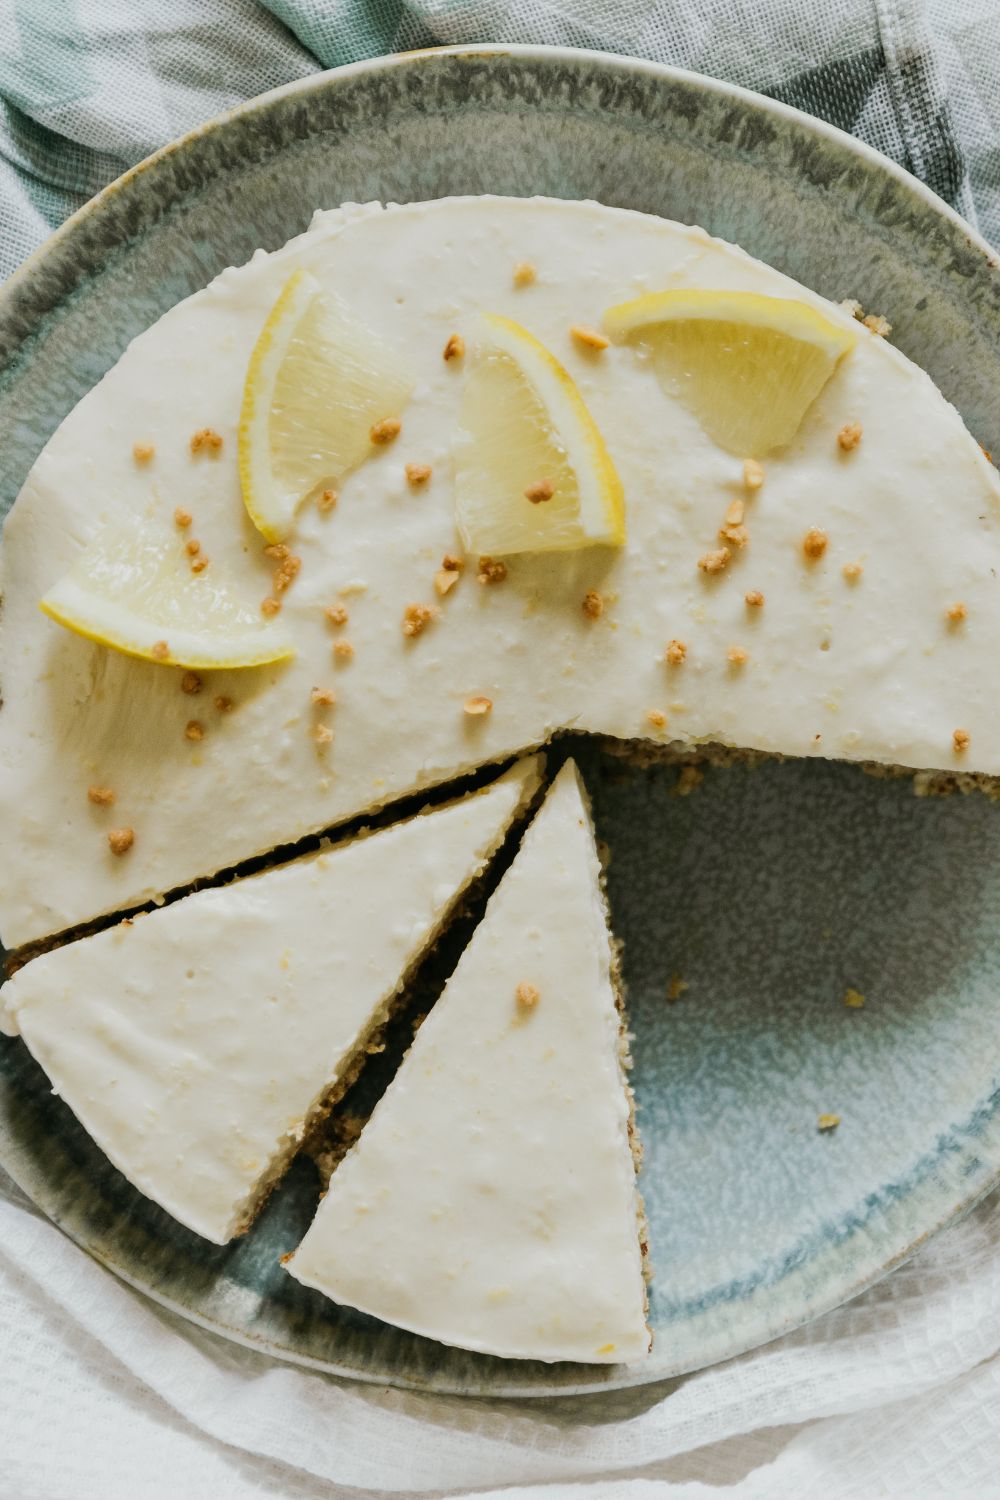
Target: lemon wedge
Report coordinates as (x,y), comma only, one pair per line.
(532,472)
(748,366)
(135,591)
(316,383)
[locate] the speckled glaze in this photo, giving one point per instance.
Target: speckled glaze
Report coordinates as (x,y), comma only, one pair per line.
(768,890)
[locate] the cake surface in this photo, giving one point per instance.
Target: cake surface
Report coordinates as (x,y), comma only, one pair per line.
(197,1043)
(867,667)
(491,1200)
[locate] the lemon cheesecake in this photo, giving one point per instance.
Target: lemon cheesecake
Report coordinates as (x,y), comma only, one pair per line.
(491,1200)
(585,469)
(199,1043)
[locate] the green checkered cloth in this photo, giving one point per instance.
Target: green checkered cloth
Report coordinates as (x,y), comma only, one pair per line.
(89,87)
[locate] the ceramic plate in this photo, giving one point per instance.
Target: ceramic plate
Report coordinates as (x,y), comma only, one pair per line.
(768,890)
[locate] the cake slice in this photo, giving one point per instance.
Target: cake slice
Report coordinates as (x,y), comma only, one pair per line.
(199,1043)
(491,1201)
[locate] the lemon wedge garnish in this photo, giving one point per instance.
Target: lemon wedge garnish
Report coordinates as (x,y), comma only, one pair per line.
(527,432)
(748,366)
(135,591)
(316,383)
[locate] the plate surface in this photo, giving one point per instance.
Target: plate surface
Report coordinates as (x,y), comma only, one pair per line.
(768,890)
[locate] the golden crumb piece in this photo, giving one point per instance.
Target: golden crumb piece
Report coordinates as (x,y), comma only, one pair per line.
(524,273)
(753,474)
(190,683)
(101,796)
(527,995)
(827,1122)
(476,707)
(961,739)
(417,617)
(656,718)
(491,570)
(754,598)
(193,547)
(418,474)
(385,431)
(540,490)
(852,571)
(326,500)
(143,452)
(445,580)
(735,511)
(455,347)
(737,657)
(592,605)
(738,535)
(206,440)
(714,562)
(849,436)
(323,697)
(451,563)
(223,704)
(270,606)
(589,337)
(878,325)
(336,614)
(199,563)
(286,572)
(957,613)
(676,987)
(277,550)
(120,840)
(690,777)
(853,999)
(182,518)
(322,734)
(814,543)
(194,730)
(343,651)
(675,653)
(160,650)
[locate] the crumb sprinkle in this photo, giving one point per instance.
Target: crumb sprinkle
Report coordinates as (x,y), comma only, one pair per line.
(735,511)
(192,547)
(957,613)
(451,563)
(326,500)
(590,338)
(852,571)
(878,325)
(199,563)
(143,452)
(323,697)
(592,604)
(223,703)
(689,780)
(478,706)
(182,518)
(853,999)
(527,995)
(445,580)
(417,474)
(160,650)
(676,987)
(675,653)
(738,535)
(322,734)
(191,683)
(715,562)
(754,598)
(206,440)
(491,570)
(826,1123)
(417,617)
(540,490)
(270,606)
(454,348)
(101,796)
(120,840)
(656,718)
(961,740)
(753,474)
(336,614)
(815,543)
(385,431)
(343,650)
(286,572)
(194,730)
(849,436)
(525,273)
(737,657)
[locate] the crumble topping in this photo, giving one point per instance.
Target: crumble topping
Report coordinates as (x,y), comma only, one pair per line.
(445,580)
(491,570)
(961,739)
(101,796)
(326,500)
(689,778)
(160,650)
(385,431)
(738,535)
(199,563)
(270,606)
(143,452)
(592,605)
(182,518)
(814,543)
(657,718)
(675,653)
(455,347)
(524,273)
(527,994)
(343,650)
(735,511)
(476,707)
(957,613)
(191,683)
(852,571)
(192,547)
(878,325)
(322,734)
(194,730)
(120,840)
(417,474)
(754,598)
(223,703)
(827,1122)
(853,998)
(417,617)
(323,697)
(451,563)
(589,337)
(206,439)
(286,572)
(714,562)
(753,474)
(849,436)
(336,614)
(676,987)
(540,490)
(737,657)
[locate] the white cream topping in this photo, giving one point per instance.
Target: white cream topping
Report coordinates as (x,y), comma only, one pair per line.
(194,1043)
(490,1201)
(863,670)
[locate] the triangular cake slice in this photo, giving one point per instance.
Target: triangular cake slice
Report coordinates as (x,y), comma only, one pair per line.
(491,1200)
(199,1043)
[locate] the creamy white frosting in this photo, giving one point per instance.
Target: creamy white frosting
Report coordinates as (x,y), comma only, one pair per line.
(867,671)
(490,1201)
(194,1042)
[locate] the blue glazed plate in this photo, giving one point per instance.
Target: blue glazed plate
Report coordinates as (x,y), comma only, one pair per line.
(769,890)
